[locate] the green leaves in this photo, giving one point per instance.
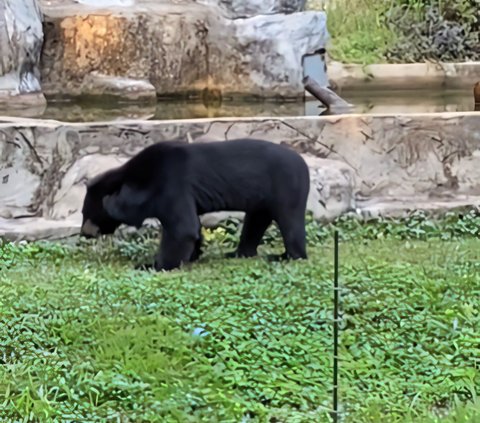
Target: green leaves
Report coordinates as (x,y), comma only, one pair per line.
(84,336)
(403,30)
(443,30)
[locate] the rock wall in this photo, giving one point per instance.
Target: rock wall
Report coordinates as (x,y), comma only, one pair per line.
(248,8)
(179,47)
(21,38)
(376,164)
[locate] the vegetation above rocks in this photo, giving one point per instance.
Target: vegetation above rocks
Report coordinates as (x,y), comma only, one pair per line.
(442,30)
(369,31)
(87,338)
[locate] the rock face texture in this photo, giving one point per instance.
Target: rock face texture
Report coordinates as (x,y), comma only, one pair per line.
(264,54)
(375,164)
(118,87)
(107,3)
(332,188)
(21,38)
(249,8)
(180,47)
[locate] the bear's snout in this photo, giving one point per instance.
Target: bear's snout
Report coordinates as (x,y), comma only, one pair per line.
(89,229)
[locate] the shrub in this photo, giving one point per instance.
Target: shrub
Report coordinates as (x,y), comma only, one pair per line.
(438,30)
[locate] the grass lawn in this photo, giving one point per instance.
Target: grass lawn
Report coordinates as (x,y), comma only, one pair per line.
(362,36)
(84,337)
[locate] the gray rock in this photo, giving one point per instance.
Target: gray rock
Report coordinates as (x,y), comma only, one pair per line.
(332,188)
(107,3)
(21,38)
(96,83)
(68,198)
(248,8)
(36,228)
(213,220)
(261,55)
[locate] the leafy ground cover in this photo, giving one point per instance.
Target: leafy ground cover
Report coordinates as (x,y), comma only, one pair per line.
(402,31)
(84,337)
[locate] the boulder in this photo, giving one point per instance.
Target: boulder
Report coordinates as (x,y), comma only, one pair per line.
(263,55)
(114,86)
(107,3)
(181,48)
(68,199)
(21,38)
(248,8)
(332,188)
(140,42)
(213,220)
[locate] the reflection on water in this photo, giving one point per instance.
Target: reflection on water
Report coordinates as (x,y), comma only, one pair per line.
(74,110)
(414,101)
(169,109)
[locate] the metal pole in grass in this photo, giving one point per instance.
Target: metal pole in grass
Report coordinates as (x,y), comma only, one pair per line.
(335,330)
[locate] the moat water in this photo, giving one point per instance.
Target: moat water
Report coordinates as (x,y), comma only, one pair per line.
(77,110)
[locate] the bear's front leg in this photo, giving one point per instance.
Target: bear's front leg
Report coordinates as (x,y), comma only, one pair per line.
(175,250)
(197,250)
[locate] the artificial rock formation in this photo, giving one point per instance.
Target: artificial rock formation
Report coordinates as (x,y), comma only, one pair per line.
(332,188)
(249,8)
(21,39)
(179,47)
(120,87)
(386,165)
(107,3)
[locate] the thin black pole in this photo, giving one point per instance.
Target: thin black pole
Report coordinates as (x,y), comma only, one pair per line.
(335,332)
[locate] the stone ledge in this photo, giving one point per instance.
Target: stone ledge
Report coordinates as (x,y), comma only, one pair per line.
(403,207)
(35,228)
(405,76)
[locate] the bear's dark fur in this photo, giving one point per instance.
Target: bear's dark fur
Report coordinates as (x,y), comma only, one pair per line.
(176,182)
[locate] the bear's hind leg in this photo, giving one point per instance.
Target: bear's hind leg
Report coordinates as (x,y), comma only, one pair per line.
(254,226)
(292,228)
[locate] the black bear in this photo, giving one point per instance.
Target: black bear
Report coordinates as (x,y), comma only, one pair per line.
(176,182)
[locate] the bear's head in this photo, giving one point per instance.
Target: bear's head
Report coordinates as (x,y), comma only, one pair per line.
(96,220)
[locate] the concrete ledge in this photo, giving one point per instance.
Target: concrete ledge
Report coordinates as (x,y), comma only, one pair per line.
(404,76)
(403,207)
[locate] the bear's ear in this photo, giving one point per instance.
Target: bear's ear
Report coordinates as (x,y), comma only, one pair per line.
(90,182)
(127,205)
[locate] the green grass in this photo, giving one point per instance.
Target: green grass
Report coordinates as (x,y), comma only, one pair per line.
(401,31)
(357,29)
(84,337)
